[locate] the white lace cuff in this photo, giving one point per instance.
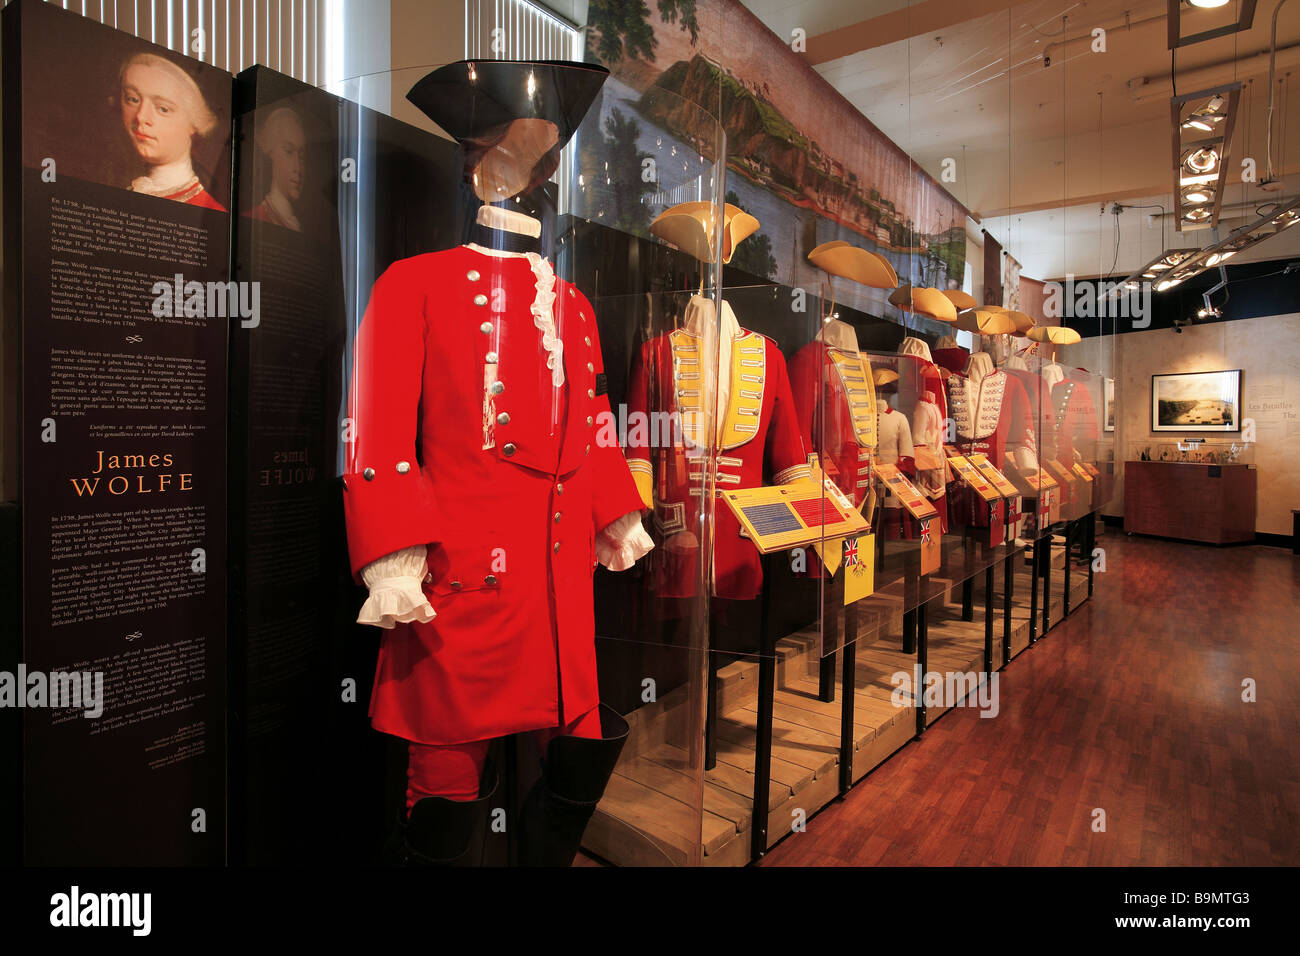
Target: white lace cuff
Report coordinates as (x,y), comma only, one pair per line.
(621,543)
(395,593)
(1025,459)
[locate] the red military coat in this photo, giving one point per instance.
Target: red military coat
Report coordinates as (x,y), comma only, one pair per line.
(1041,414)
(463,442)
(1076,420)
(1016,426)
(757,438)
(835,401)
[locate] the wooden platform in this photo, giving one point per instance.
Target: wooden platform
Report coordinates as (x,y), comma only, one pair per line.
(658,811)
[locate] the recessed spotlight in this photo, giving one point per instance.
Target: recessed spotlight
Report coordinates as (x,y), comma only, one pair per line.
(1209,4)
(1197,215)
(1196,196)
(1202,161)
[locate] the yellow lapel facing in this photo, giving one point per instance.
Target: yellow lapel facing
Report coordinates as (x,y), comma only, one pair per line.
(748,379)
(855,375)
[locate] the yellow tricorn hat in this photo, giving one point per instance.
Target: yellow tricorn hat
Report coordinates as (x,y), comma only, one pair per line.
(689,226)
(984,322)
(883,376)
(1053,335)
(841,259)
(962,300)
(929,302)
(1023,320)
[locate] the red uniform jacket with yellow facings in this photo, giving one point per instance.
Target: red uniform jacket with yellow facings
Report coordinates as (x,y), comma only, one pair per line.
(505,485)
(758,439)
(836,403)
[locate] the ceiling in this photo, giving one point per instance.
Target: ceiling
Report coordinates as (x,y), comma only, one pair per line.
(1040,129)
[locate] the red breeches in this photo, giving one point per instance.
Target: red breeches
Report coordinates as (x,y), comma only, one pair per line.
(454,771)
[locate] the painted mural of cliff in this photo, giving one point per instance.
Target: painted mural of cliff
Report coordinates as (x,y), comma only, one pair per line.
(797,141)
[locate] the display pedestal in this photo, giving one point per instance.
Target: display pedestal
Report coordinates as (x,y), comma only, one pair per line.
(1214,504)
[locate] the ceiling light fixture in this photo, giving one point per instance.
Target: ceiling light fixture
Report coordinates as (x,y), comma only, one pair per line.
(1201,126)
(1189,263)
(1174,9)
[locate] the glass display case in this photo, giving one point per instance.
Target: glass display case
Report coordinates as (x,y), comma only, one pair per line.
(1204,451)
(802,498)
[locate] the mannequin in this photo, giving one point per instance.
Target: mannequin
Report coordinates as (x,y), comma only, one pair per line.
(894,437)
(999,346)
(450,471)
(835,398)
(757,431)
(836,404)
(917,376)
(949,355)
(1076,416)
(975,401)
(1018,421)
(832,381)
(927,432)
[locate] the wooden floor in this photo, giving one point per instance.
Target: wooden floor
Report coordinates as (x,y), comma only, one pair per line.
(1132,707)
(650,814)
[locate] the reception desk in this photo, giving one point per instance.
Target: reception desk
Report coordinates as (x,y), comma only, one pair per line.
(1210,503)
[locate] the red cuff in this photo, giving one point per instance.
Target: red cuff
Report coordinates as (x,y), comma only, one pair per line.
(387,512)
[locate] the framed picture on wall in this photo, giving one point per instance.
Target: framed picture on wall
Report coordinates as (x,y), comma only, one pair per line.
(1108,405)
(1196,402)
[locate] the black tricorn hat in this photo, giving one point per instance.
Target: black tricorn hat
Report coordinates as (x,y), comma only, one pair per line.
(470,97)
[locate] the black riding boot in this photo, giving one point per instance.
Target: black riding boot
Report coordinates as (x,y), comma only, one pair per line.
(442,832)
(561,802)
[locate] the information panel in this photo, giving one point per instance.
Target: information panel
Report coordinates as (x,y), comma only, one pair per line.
(117,159)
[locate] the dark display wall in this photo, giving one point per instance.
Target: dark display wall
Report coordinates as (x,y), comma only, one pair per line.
(121,336)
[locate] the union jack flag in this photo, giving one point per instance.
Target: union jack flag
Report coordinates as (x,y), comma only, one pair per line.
(850,552)
(925,531)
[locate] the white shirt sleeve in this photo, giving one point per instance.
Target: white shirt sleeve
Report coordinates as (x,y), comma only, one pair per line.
(396,596)
(621,543)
